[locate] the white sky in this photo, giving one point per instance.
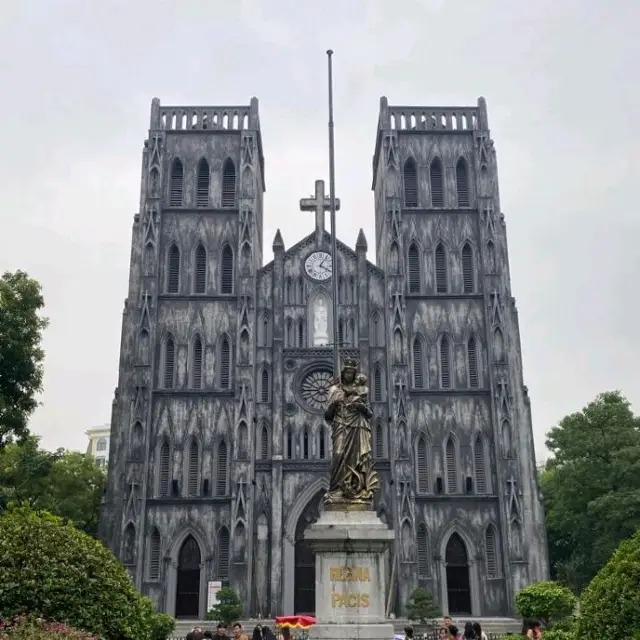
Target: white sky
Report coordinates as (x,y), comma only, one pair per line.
(560,78)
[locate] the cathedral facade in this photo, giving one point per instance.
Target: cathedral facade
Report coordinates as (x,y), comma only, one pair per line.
(219,452)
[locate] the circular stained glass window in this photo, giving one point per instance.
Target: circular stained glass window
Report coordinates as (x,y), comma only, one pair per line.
(315,389)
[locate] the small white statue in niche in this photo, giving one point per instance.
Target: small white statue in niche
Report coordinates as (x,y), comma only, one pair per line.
(320,323)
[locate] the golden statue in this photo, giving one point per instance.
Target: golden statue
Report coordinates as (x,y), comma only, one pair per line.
(353,478)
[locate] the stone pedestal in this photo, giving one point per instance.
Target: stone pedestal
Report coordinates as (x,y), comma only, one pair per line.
(350,576)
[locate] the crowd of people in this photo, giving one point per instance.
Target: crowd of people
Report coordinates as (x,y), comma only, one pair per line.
(472,631)
(261,632)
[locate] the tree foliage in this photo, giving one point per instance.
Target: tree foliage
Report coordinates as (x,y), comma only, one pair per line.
(228,607)
(610,605)
(545,601)
(21,356)
(591,487)
(52,570)
(421,607)
(68,484)
(30,628)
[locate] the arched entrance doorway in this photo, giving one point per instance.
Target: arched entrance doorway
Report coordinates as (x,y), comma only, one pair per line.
(188,582)
(458,580)
(305,560)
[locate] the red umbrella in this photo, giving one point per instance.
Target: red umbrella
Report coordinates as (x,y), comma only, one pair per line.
(295,622)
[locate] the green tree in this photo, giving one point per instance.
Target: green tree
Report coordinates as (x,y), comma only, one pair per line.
(21,356)
(421,607)
(591,487)
(66,483)
(52,570)
(545,601)
(228,607)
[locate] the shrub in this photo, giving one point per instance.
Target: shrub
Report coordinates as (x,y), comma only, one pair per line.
(421,607)
(545,601)
(228,607)
(51,570)
(29,628)
(610,605)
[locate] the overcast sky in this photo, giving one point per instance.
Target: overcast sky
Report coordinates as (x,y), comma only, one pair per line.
(562,85)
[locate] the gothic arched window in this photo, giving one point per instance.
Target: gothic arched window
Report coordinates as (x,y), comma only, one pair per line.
(229,184)
(221,469)
(176,184)
(451,466)
(202,184)
(445,362)
(410,183)
(472,362)
(480,466)
(200,276)
(467,268)
(462,183)
(442,284)
(196,363)
(422,464)
(173,269)
(224,369)
(413,271)
(437,186)
(164,470)
(226,275)
(169,363)
(418,363)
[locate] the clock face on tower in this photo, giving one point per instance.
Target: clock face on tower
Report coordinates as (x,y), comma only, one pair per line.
(318,265)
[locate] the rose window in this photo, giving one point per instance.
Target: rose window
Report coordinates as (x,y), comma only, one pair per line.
(315,389)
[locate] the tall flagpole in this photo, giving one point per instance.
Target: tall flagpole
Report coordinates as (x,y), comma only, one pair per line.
(332,209)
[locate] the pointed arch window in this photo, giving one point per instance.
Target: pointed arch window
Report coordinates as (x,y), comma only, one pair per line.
(289,444)
(129,545)
(264,442)
(437,183)
(290,337)
(480,467)
(422,543)
(173,269)
(223,553)
(422,465)
(305,443)
(491,551)
(418,364)
(441,270)
(221,471)
(264,385)
(226,262)
(137,439)
(322,443)
(491,257)
(410,183)
(164,470)
(243,440)
(398,346)
(169,362)
(176,184)
(394,259)
(379,440)
(200,280)
(193,470)
(351,337)
(225,364)
(414,274)
(154,555)
(467,269)
(263,331)
(301,333)
(202,184)
(377,330)
(462,182)
(229,184)
(472,362)
(377,384)
(196,363)
(445,362)
(452,466)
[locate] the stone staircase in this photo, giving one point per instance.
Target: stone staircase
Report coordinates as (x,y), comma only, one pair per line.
(497,626)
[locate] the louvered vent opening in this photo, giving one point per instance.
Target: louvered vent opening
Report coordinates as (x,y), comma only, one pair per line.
(377,385)
(441,270)
(492,561)
(300,334)
(452,475)
(264,386)
(410,184)
(169,363)
(414,269)
(305,445)
(176,187)
(322,445)
(467,269)
(423,470)
(164,470)
(445,368)
(418,380)
(473,363)
(173,270)
(197,364)
(341,331)
(202,187)
(437,187)
(229,184)
(227,269)
(289,445)
(462,183)
(221,478)
(225,364)
(154,556)
(423,551)
(223,553)
(379,442)
(201,270)
(264,444)
(481,475)
(194,464)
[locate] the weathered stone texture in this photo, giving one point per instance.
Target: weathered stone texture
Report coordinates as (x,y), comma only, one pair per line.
(214,439)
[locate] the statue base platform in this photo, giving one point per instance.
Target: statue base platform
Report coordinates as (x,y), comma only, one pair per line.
(350,575)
